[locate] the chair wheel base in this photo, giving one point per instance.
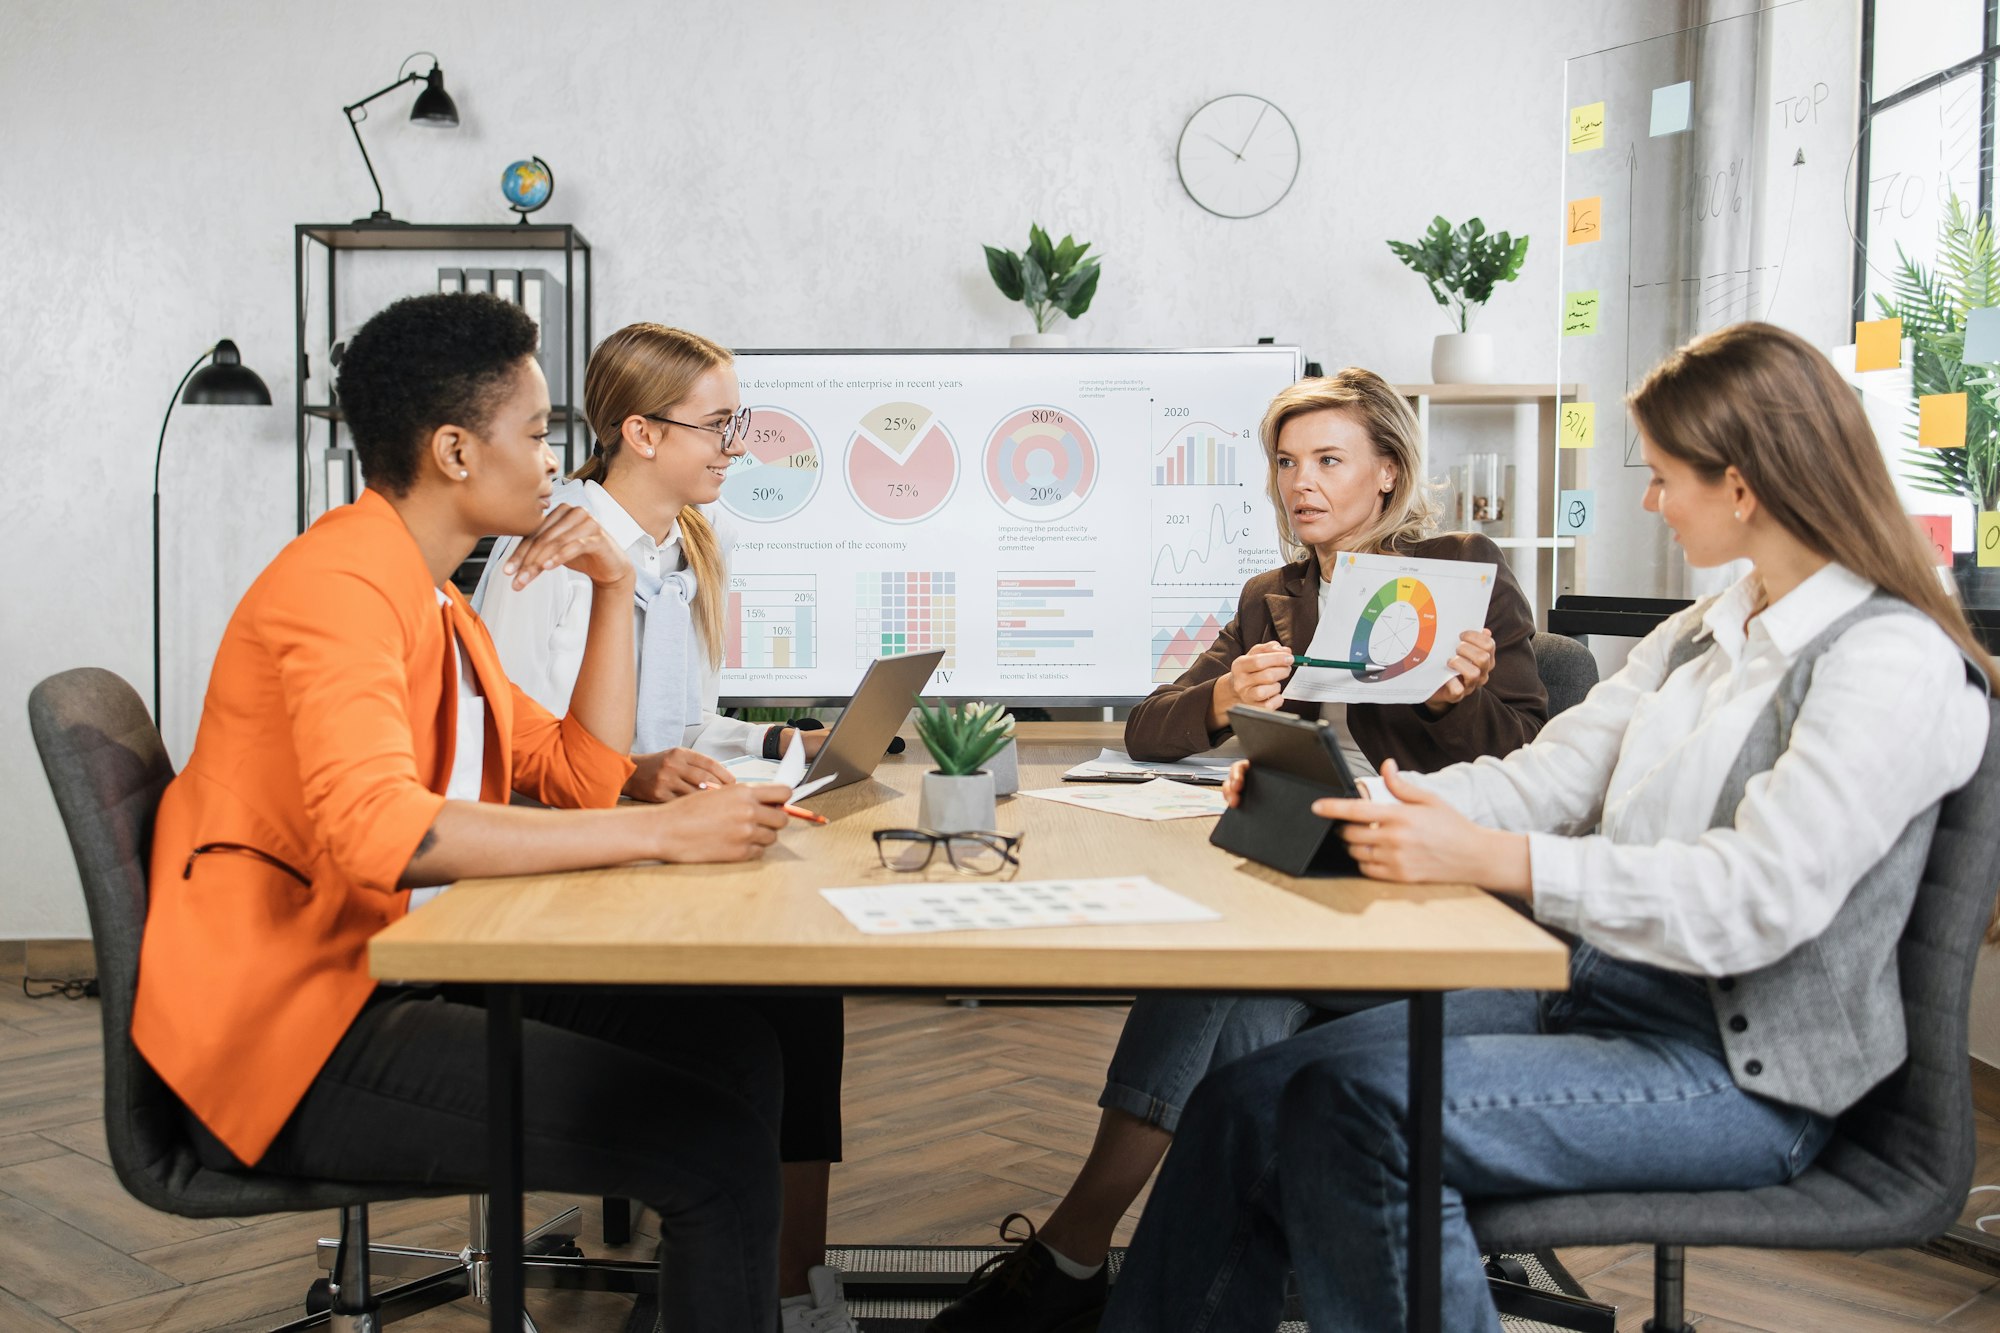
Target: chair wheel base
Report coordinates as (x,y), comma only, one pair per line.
(1652,1327)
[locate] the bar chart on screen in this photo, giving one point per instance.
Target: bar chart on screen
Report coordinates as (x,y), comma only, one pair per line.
(1045,618)
(771,622)
(1200,453)
(1183,629)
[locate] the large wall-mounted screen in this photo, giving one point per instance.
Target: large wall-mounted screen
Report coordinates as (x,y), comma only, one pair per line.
(1069,526)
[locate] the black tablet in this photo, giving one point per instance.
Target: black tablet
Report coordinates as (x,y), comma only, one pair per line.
(1288,744)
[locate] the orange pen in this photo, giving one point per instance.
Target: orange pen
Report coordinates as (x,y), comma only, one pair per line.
(807,815)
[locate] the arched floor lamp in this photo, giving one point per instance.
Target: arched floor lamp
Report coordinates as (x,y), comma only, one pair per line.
(217,376)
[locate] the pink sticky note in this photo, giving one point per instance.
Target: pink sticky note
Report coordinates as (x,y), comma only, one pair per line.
(1936,529)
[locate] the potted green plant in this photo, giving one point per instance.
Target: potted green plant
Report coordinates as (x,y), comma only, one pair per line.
(1933,305)
(1048,278)
(962,740)
(1462,265)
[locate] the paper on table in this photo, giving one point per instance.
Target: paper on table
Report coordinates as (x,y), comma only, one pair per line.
(1402,616)
(1162,798)
(1200,767)
(916,909)
(800,793)
(786,771)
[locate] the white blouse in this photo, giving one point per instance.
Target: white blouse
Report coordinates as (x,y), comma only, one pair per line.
(1890,725)
(541,629)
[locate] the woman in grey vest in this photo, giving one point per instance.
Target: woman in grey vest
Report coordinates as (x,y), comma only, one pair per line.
(1732,826)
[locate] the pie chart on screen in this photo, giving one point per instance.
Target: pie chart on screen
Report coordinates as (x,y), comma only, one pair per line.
(1040,463)
(778,471)
(902,465)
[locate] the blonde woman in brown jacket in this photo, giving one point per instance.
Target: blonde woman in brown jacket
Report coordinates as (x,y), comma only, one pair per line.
(1344,454)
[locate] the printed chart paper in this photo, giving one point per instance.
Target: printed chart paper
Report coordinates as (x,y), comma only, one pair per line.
(919,909)
(1397,619)
(1162,798)
(1202,768)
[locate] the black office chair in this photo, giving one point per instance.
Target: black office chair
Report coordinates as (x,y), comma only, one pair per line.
(1900,1161)
(107,768)
(1567,668)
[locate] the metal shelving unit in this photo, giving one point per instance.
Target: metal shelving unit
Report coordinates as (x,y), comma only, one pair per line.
(331,239)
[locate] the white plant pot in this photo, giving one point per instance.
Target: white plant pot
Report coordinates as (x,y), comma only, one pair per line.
(1462,358)
(1006,770)
(957,804)
(1039,340)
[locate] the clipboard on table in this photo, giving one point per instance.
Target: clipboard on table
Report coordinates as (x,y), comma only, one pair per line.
(1293,763)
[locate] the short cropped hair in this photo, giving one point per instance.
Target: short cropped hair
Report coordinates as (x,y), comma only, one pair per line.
(422,363)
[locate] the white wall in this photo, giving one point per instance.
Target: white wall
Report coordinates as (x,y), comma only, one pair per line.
(770,172)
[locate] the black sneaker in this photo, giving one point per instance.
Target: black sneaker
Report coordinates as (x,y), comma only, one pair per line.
(1022,1291)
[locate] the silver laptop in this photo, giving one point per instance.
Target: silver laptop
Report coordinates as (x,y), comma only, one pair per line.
(861,735)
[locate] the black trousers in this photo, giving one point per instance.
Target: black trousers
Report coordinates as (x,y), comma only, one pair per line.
(673,1101)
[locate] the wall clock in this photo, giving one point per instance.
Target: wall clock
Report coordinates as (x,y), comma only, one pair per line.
(1238,156)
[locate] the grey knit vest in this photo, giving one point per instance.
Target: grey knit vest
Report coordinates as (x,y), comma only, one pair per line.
(1824,1024)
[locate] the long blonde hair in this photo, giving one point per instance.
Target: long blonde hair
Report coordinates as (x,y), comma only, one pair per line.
(1764,401)
(1408,513)
(645,370)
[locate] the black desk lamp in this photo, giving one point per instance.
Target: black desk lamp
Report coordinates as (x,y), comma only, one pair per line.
(434,107)
(223,379)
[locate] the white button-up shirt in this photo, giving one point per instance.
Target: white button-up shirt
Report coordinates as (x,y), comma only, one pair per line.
(541,629)
(1890,724)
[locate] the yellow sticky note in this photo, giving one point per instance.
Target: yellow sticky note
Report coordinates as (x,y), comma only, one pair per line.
(1579,426)
(1989,540)
(1878,344)
(1941,421)
(1579,313)
(1584,224)
(1586,127)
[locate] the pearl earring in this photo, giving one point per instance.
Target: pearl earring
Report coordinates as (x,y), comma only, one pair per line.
(1739,516)
(463,475)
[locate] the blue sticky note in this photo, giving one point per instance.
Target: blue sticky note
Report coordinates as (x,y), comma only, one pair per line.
(1673,108)
(1982,336)
(1576,514)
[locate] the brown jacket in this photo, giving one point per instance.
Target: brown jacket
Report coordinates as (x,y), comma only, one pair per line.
(1283,606)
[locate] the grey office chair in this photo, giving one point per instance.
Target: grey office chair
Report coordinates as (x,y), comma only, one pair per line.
(107,768)
(1567,668)
(1900,1161)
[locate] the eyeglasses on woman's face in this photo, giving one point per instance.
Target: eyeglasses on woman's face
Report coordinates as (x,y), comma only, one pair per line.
(729,430)
(976,853)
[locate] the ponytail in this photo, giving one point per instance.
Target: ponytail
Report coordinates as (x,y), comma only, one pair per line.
(711,593)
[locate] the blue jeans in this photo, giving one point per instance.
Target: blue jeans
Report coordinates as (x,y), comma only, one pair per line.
(1170,1042)
(1295,1157)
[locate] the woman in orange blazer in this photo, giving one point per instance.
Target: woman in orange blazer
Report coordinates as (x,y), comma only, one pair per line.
(357,749)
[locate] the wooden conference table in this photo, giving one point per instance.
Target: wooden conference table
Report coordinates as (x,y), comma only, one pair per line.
(763,925)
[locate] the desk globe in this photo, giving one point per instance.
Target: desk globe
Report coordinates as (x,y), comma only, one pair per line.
(528,185)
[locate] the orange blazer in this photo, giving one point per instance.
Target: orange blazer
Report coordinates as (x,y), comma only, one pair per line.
(325,746)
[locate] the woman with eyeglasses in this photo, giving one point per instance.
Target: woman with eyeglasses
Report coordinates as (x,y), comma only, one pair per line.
(669,420)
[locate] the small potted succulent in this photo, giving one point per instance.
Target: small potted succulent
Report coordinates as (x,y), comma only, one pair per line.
(1048,277)
(958,794)
(1462,265)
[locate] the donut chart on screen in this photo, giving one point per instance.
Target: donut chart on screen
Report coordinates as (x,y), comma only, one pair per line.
(778,471)
(902,465)
(1040,463)
(1395,630)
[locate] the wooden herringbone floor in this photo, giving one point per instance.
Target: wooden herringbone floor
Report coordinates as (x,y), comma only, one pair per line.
(955,1117)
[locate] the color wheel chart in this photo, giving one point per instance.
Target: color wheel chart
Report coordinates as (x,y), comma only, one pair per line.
(1040,463)
(902,465)
(1200,453)
(1395,631)
(1044,618)
(1183,629)
(770,623)
(778,471)
(901,612)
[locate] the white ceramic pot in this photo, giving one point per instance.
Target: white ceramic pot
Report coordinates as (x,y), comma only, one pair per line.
(1039,340)
(1462,358)
(957,804)
(1006,770)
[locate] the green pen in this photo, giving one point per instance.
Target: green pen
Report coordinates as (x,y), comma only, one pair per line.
(1322,662)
